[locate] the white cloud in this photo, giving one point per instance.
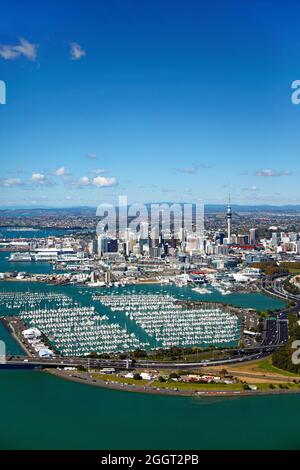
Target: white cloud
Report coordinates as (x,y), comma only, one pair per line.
(101,181)
(24,48)
(77,183)
(76,51)
(271,173)
(38,177)
(10,182)
(62,171)
(85,181)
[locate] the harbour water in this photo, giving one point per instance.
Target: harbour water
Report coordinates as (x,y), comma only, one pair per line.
(35,268)
(11,345)
(40,411)
(11,232)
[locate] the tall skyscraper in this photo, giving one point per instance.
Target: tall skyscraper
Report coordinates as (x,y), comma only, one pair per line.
(144,231)
(102,244)
(253,236)
(276,239)
(229,217)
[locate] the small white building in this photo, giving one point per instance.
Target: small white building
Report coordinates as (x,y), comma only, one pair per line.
(45,352)
(32,333)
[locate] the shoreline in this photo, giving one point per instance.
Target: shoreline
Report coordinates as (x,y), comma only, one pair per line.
(86,379)
(10,329)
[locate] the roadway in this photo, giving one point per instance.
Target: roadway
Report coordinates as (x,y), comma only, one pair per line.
(36,362)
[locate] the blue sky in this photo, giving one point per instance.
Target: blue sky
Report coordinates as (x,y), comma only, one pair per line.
(161,100)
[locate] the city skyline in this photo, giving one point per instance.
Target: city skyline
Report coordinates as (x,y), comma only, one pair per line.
(198,109)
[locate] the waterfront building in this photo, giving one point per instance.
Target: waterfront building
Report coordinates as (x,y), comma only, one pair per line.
(46,254)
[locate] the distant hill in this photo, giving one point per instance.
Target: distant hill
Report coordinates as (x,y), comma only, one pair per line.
(88,211)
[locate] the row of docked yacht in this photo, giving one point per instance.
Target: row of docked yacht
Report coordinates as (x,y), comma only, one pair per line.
(81,330)
(27,300)
(172,324)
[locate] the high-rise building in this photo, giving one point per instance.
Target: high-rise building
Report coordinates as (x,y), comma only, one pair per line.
(229,218)
(112,245)
(275,238)
(219,237)
(182,235)
(253,236)
(102,244)
(154,236)
(92,247)
(144,231)
(242,239)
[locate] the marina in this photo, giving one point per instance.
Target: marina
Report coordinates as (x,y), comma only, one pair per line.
(80,331)
(79,320)
(172,325)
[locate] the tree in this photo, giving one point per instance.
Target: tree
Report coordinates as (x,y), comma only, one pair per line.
(137,376)
(139,353)
(93,355)
(173,375)
(161,379)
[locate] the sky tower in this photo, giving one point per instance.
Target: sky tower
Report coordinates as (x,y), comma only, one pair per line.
(229,218)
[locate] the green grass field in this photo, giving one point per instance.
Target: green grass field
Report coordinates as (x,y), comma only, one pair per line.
(216,387)
(267,366)
(194,386)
